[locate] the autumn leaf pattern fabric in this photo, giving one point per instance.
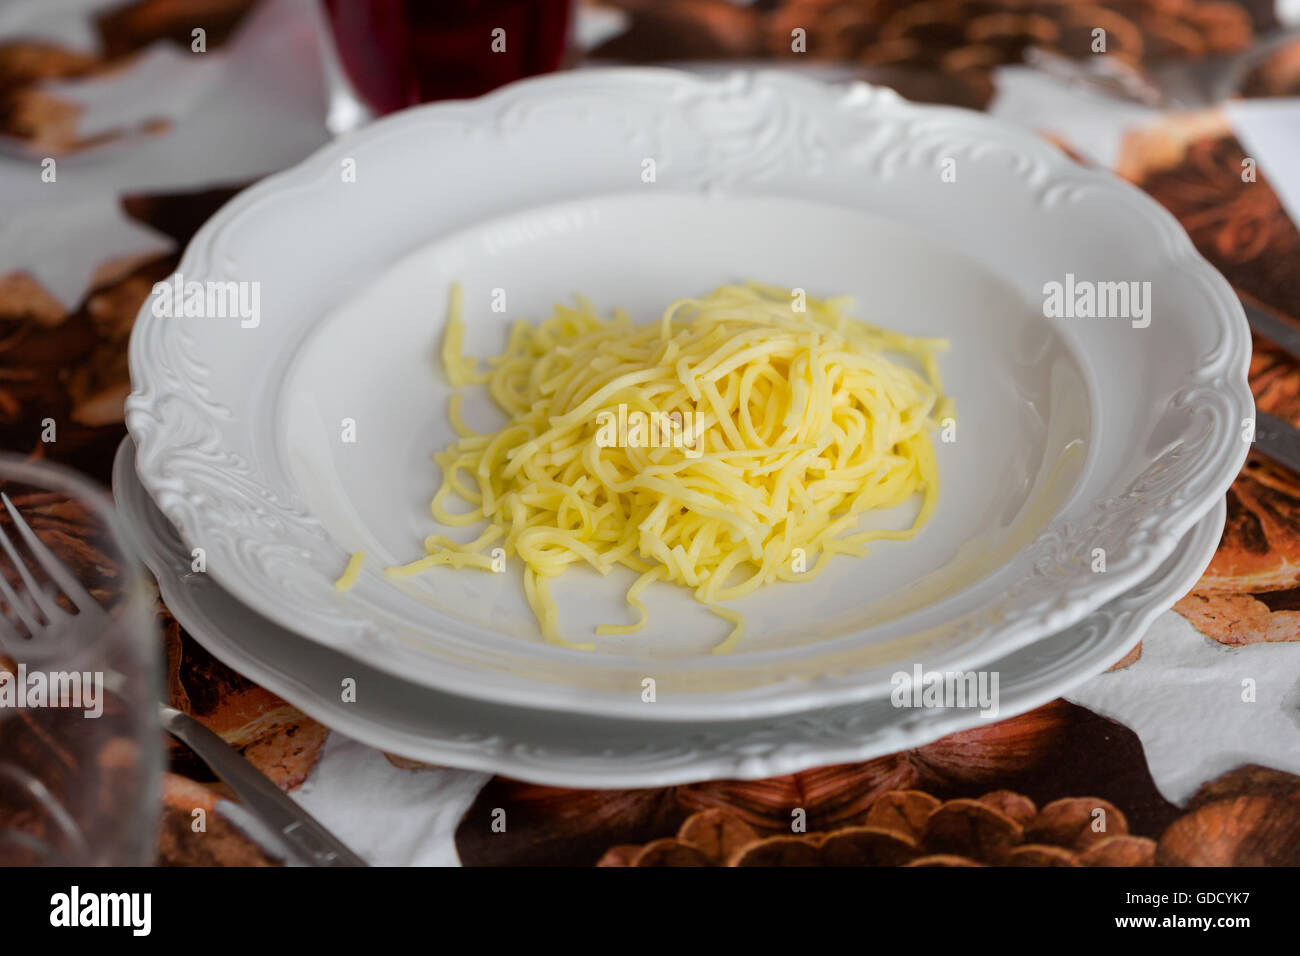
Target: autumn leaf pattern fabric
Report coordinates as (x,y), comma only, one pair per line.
(1011,793)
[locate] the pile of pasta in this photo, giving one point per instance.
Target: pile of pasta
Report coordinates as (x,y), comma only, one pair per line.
(780,421)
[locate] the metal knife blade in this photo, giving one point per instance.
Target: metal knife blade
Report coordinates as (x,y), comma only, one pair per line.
(1277,439)
(1278,331)
(297,829)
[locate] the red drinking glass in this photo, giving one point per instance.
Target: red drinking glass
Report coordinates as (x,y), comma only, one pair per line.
(401,52)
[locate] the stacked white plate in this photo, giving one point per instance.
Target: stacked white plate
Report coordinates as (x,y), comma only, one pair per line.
(1081,497)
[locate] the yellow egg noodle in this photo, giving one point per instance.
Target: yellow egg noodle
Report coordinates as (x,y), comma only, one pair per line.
(350,574)
(740,436)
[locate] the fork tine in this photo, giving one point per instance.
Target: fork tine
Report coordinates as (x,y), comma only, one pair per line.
(20,607)
(52,565)
(47,801)
(10,640)
(43,601)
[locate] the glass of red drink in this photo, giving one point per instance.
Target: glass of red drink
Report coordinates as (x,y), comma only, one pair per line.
(397,53)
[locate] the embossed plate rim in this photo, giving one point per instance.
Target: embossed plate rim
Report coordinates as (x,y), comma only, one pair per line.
(280,562)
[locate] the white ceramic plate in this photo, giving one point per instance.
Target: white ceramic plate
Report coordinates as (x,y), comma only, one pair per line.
(566,750)
(1076,437)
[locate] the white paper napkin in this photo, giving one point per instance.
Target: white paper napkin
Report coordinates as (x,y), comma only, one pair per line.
(1091,123)
(1270,132)
(1185,700)
(255,107)
(69,23)
(268,114)
(61,244)
(161,83)
(387,815)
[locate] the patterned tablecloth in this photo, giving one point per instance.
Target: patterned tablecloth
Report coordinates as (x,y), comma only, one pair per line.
(1023,790)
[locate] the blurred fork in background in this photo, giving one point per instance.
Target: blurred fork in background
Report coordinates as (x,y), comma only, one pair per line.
(51,623)
(79,785)
(43,620)
(1190,84)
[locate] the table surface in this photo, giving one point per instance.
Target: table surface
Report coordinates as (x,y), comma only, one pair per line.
(1033,781)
